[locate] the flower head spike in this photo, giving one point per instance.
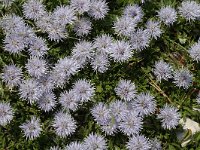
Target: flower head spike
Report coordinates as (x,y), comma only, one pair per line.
(80,6)
(153,29)
(94,142)
(82,26)
(6,113)
(169,116)
(167,15)
(31,128)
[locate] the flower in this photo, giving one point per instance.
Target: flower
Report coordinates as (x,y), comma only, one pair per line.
(80,6)
(194,51)
(31,128)
(153,29)
(29,90)
(125,90)
(47,101)
(169,117)
(120,51)
(155,144)
(124,26)
(133,11)
(7,3)
(83,26)
(12,75)
(33,9)
(68,101)
(131,123)
(190,10)
(140,39)
(64,124)
(162,70)
(167,15)
(144,104)
(138,142)
(94,141)
(74,146)
(98,9)
(6,113)
(36,67)
(83,90)
(183,78)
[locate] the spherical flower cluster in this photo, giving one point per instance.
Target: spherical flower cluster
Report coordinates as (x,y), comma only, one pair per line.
(155,144)
(194,51)
(83,26)
(167,15)
(169,116)
(12,75)
(138,142)
(31,128)
(162,70)
(120,51)
(153,29)
(6,113)
(190,10)
(144,104)
(80,6)
(126,90)
(64,124)
(94,141)
(98,9)
(74,146)
(183,78)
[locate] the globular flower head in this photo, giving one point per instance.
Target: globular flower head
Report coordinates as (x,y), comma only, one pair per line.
(140,39)
(13,43)
(183,78)
(68,100)
(138,142)
(36,67)
(11,75)
(94,141)
(126,90)
(63,15)
(47,101)
(162,70)
(100,63)
(124,26)
(74,146)
(153,29)
(80,6)
(98,9)
(131,123)
(45,83)
(29,90)
(169,116)
(64,124)
(135,12)
(120,51)
(167,15)
(83,26)
(194,51)
(37,47)
(190,10)
(155,144)
(6,113)
(31,128)
(144,104)
(118,109)
(102,43)
(82,52)
(33,9)
(83,90)
(101,113)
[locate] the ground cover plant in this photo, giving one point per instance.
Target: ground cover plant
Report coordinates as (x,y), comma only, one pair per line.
(99,74)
